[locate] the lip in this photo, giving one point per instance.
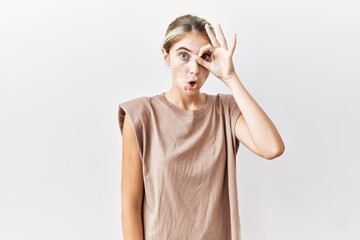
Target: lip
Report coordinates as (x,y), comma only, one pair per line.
(192,85)
(193,80)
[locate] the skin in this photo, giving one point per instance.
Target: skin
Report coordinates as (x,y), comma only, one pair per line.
(131,185)
(192,58)
(184,67)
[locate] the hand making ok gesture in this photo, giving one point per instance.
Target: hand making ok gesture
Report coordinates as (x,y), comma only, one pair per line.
(220,64)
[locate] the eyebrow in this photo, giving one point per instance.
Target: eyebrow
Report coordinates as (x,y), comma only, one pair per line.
(183,48)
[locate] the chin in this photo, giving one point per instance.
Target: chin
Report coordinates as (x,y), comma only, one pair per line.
(192,93)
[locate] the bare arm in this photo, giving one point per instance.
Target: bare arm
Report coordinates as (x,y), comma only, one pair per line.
(131,185)
(254,128)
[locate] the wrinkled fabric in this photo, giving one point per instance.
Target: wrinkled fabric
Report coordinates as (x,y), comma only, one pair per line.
(189,167)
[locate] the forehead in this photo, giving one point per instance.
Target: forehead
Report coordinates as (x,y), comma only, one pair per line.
(192,41)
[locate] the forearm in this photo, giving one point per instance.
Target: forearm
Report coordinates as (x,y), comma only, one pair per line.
(132,224)
(262,130)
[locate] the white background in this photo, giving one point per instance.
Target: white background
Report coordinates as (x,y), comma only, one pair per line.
(66,65)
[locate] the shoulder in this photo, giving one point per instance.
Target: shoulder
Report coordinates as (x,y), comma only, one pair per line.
(134,103)
(223,100)
(225,97)
(135,109)
(226,103)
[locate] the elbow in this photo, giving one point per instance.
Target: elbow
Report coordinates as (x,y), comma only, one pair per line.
(275,152)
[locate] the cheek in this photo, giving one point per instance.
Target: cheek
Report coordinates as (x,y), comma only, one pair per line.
(204,72)
(178,68)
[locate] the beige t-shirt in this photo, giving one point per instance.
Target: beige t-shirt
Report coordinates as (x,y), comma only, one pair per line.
(189,167)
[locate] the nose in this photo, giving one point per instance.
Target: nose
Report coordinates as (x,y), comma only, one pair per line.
(194,67)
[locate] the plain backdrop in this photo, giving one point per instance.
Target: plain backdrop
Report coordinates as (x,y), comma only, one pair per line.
(66,65)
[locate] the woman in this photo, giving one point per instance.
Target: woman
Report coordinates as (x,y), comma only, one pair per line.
(179,147)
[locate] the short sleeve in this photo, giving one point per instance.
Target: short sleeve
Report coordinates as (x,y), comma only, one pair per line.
(137,114)
(232,112)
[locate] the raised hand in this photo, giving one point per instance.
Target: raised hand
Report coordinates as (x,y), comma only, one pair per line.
(217,56)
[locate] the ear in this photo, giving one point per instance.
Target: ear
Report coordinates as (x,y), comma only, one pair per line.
(166,56)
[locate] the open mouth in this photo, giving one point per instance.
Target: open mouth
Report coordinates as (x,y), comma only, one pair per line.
(192,85)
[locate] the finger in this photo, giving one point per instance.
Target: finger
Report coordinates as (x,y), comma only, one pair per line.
(232,49)
(212,37)
(203,63)
(207,48)
(222,38)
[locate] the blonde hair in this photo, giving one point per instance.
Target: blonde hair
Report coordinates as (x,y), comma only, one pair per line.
(182,25)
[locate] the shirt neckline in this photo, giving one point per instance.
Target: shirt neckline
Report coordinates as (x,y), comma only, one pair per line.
(181,111)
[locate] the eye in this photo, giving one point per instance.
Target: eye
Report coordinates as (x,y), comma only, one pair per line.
(183,56)
(206,57)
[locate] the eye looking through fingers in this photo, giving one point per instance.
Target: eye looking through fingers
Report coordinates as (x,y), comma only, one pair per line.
(206,52)
(207,56)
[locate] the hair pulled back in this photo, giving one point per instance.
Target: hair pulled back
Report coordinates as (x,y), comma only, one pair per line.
(183,25)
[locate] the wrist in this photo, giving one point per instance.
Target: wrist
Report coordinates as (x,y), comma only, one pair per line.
(232,81)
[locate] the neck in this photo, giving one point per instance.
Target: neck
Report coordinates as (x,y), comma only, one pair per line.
(186,101)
